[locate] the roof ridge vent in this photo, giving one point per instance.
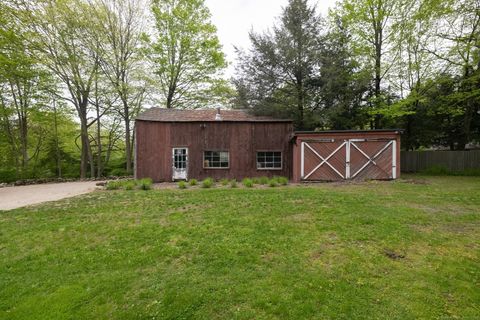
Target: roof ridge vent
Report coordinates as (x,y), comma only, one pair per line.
(218,116)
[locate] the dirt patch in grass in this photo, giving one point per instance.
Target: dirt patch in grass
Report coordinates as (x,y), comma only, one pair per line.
(393,255)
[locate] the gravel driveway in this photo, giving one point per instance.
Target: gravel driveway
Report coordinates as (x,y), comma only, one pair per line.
(17,197)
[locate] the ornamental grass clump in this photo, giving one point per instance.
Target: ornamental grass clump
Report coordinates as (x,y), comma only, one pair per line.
(263,180)
(145,184)
(207,183)
(182,185)
(272,183)
(233,183)
(113,185)
(282,181)
(247,182)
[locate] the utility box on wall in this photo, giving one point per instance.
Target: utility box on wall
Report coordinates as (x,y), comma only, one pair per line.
(346,155)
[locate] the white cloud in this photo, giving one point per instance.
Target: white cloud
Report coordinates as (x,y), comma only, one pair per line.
(235,18)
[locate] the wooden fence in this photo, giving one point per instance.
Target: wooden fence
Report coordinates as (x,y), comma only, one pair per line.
(414,161)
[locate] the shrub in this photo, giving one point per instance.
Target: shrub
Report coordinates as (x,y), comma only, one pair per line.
(256,180)
(207,183)
(233,183)
(193,182)
(263,180)
(436,170)
(145,184)
(182,185)
(113,185)
(128,184)
(272,182)
(224,182)
(248,182)
(282,181)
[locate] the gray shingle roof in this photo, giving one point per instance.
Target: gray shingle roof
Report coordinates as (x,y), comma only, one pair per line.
(205,115)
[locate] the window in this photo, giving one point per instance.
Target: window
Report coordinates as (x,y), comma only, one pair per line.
(216,159)
(269,160)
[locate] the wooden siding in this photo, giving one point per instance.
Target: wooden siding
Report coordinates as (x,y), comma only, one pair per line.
(155,140)
(325,143)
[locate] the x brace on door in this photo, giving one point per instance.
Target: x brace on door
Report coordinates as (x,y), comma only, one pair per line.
(372,159)
(348,146)
(324,160)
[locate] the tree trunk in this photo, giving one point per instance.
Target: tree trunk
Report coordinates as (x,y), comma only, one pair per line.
(378,66)
(99,143)
(57,143)
(128,144)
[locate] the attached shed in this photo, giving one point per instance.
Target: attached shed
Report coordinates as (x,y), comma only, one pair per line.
(346,155)
(186,144)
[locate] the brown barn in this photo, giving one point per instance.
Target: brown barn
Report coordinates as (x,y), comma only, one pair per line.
(185,144)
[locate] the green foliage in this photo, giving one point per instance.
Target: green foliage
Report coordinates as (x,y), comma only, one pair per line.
(145,184)
(274,76)
(193,182)
(233,183)
(272,183)
(129,185)
(282,180)
(439,170)
(113,185)
(208,183)
(182,185)
(224,182)
(187,54)
(263,180)
(247,182)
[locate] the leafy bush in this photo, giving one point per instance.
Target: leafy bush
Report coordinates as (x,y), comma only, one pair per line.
(113,185)
(233,183)
(439,170)
(8,175)
(256,180)
(193,182)
(272,182)
(182,185)
(129,184)
(118,172)
(263,180)
(145,184)
(224,182)
(207,183)
(282,181)
(247,182)
(436,170)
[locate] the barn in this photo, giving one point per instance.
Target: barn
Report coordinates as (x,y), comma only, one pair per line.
(184,144)
(175,145)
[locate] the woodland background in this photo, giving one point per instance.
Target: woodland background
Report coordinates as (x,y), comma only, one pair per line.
(75,73)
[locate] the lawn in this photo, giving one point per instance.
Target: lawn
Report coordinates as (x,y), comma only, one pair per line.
(378,250)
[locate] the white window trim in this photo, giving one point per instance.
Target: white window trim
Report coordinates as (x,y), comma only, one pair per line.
(216,168)
(269,169)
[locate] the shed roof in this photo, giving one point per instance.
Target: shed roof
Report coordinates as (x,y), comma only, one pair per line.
(204,115)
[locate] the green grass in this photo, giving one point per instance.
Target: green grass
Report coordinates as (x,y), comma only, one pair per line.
(378,250)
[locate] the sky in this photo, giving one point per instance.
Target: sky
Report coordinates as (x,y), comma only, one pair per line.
(235,18)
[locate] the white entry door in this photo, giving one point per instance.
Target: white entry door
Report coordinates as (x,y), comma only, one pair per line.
(180,163)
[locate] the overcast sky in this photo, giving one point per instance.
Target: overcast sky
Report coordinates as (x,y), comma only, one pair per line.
(235,18)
